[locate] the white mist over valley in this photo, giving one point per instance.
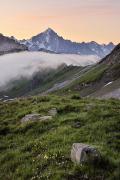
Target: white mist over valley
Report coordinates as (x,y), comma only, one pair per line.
(25,64)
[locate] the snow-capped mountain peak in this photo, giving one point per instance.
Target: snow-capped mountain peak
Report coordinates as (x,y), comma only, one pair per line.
(49,30)
(49,40)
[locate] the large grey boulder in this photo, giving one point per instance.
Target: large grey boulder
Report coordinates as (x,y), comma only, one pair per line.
(82,153)
(37,117)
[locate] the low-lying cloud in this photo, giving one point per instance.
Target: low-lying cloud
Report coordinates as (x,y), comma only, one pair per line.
(13,66)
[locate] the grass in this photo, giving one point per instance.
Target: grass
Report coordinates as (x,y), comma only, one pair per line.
(41,150)
(94,74)
(87,83)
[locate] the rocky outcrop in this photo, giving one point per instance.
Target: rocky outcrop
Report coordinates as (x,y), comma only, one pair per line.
(113,57)
(83,153)
(37,117)
(34,117)
(10,45)
(112,61)
(30,117)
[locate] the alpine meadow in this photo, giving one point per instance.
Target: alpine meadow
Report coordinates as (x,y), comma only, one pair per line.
(60,90)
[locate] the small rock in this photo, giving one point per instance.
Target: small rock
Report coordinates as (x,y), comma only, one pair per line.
(82,153)
(45,118)
(30,117)
(90,107)
(53,112)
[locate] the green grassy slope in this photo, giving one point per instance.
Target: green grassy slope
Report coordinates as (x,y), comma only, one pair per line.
(41,150)
(98,76)
(89,82)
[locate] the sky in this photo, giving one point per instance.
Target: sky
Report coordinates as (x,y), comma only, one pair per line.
(78,20)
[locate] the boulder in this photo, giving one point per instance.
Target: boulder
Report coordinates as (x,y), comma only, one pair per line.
(30,117)
(35,117)
(52,112)
(45,118)
(83,153)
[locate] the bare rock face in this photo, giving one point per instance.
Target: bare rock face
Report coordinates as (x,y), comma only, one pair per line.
(52,112)
(83,153)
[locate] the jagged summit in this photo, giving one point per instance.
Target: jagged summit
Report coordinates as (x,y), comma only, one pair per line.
(49,40)
(49,30)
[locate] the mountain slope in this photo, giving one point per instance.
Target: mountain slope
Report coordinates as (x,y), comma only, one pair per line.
(100,77)
(42,81)
(51,41)
(9,45)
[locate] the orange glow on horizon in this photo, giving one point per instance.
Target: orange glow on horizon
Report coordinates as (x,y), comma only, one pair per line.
(82,21)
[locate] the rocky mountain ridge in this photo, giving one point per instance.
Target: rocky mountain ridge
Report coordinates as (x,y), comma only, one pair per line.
(49,40)
(9,45)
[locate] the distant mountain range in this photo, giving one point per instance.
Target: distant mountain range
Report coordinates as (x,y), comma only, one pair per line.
(50,41)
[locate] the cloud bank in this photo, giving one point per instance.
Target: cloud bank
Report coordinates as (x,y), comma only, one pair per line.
(14,66)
